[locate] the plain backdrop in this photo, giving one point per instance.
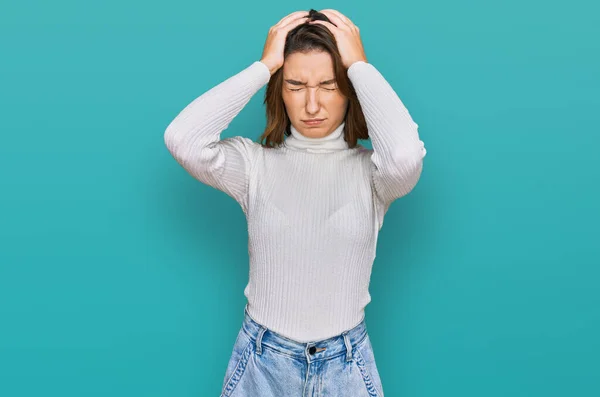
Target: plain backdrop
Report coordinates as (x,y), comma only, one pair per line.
(121,275)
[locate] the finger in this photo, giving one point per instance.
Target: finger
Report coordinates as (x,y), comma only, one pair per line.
(338,19)
(292,24)
(290,17)
(339,15)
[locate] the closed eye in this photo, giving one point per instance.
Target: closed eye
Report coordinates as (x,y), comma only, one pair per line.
(327,85)
(299,89)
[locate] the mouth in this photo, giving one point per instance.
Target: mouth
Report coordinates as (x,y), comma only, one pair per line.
(313,121)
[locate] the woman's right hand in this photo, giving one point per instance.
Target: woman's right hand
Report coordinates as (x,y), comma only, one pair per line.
(273,51)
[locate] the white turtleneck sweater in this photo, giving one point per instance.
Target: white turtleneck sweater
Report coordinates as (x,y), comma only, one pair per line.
(314,207)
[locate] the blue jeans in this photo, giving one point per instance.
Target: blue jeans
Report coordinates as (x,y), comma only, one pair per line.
(266,364)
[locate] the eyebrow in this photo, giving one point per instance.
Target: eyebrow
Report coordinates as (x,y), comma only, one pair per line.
(296,82)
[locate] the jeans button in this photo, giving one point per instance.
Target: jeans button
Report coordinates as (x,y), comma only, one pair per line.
(312,350)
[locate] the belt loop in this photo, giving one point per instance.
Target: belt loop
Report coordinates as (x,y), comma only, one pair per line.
(259,340)
(348,346)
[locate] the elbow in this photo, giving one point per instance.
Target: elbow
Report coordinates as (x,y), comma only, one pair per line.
(398,182)
(409,165)
(408,171)
(197,158)
(175,146)
(415,175)
(169,139)
(177,150)
(411,175)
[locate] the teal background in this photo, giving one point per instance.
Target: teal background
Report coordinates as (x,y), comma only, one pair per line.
(120,275)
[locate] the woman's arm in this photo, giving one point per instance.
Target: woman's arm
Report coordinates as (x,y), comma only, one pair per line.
(193,137)
(398,152)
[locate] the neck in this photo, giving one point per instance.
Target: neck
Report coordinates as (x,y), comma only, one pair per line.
(329,143)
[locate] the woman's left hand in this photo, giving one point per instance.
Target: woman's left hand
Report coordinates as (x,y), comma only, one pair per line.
(347,36)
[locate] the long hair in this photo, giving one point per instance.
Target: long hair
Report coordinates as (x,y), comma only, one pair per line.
(307,38)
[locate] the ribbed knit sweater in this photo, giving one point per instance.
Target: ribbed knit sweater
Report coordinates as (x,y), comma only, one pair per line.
(314,207)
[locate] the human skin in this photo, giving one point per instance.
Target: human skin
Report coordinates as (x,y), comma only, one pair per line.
(308,90)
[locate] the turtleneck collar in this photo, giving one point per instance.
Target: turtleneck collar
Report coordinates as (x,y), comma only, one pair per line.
(332,142)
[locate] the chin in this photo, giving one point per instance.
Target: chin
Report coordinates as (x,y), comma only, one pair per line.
(322,126)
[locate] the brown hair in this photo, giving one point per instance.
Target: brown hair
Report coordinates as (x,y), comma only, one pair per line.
(306,38)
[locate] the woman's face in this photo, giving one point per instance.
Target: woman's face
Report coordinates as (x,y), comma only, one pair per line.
(310,91)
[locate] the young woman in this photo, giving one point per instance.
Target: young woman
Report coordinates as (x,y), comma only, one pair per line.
(314,200)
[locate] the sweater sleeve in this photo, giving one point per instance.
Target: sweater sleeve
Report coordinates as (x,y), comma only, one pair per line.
(397,155)
(194,136)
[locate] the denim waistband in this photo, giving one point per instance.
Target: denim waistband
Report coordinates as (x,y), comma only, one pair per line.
(311,351)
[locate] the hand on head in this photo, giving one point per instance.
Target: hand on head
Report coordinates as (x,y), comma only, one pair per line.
(345,32)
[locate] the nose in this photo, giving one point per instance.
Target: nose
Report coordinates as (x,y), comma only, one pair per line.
(312,100)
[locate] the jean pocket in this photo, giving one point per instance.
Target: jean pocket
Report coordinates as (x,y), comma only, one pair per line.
(242,349)
(365,361)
